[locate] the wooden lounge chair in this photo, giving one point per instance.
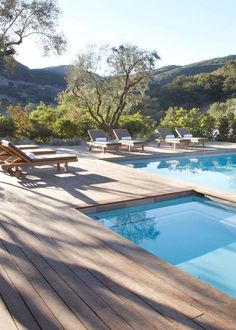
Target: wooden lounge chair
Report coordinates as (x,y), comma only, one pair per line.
(124,137)
(167,137)
(99,140)
(26,148)
(184,133)
(19,159)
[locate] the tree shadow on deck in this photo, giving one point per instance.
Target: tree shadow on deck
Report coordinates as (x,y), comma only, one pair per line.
(71,283)
(73,183)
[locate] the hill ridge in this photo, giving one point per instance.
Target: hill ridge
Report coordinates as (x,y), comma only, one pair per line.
(27,85)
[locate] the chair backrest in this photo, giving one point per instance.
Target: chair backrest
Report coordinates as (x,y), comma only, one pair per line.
(163,132)
(182,132)
(121,133)
(11,149)
(96,133)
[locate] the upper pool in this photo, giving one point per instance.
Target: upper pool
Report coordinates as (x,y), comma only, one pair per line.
(216,171)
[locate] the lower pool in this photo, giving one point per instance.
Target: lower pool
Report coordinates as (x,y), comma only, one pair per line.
(216,171)
(192,233)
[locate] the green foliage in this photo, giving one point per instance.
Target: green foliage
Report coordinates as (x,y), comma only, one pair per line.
(39,132)
(199,124)
(221,109)
(20,19)
(46,115)
(128,68)
(66,128)
(223,129)
(180,117)
(233,131)
(137,124)
(197,90)
(206,126)
(21,120)
(7,127)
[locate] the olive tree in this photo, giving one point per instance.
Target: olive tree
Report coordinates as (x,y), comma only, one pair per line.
(20,19)
(122,85)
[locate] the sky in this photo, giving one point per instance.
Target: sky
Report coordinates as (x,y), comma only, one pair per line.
(181,31)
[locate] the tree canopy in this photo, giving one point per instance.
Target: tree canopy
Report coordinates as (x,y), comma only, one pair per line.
(107,97)
(20,19)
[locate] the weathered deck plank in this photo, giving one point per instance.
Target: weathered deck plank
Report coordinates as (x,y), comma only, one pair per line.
(7,322)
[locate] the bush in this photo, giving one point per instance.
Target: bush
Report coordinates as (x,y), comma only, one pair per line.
(64,142)
(224,129)
(180,117)
(199,124)
(21,119)
(137,124)
(7,127)
(66,128)
(206,126)
(39,132)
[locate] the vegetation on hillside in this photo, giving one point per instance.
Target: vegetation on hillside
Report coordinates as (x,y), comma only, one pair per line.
(199,90)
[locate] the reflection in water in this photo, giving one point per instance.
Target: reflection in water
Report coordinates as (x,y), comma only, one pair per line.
(217,164)
(134,226)
(215,171)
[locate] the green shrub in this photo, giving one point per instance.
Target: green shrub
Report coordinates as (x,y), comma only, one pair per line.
(206,126)
(83,123)
(199,124)
(180,117)
(137,124)
(39,132)
(66,128)
(224,129)
(7,126)
(64,142)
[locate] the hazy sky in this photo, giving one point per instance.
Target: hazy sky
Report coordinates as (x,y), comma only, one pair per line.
(182,31)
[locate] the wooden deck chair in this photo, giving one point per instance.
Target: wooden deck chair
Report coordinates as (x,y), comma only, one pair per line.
(184,133)
(27,146)
(35,149)
(124,137)
(167,137)
(20,159)
(98,139)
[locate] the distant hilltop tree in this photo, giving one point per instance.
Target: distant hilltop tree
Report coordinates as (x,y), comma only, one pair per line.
(20,19)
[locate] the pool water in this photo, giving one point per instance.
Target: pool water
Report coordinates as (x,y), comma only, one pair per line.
(192,233)
(215,171)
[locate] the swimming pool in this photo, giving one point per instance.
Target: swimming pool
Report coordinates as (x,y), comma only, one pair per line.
(192,233)
(216,171)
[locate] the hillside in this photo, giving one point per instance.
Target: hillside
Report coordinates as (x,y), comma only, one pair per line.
(26,85)
(167,74)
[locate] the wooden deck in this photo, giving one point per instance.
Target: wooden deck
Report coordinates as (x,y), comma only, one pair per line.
(60,270)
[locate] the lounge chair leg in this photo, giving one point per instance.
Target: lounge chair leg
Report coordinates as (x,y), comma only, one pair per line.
(58,166)
(17,172)
(66,167)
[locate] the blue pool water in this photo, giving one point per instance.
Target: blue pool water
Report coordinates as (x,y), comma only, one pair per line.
(215,171)
(192,233)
